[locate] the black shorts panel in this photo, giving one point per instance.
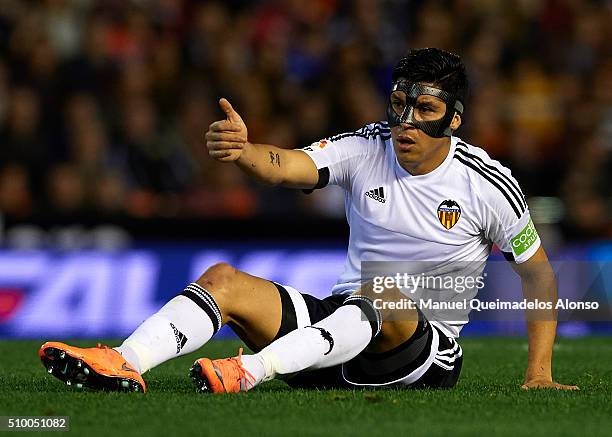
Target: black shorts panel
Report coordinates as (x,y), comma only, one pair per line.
(395,364)
(318,309)
(288,317)
(319,379)
(436,376)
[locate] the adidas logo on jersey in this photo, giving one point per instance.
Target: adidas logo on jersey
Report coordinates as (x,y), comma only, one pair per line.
(180,338)
(377,194)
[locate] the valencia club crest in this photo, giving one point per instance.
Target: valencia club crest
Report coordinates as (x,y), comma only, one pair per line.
(449,212)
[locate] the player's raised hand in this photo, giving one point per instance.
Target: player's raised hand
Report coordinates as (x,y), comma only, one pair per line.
(226,139)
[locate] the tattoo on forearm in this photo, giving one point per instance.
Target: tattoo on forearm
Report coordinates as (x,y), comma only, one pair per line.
(275,159)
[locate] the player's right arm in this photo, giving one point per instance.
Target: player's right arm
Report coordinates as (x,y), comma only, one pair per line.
(227,141)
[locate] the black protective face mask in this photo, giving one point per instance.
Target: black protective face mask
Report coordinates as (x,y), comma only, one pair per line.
(408,93)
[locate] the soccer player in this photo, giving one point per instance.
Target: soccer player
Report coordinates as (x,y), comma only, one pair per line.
(414,192)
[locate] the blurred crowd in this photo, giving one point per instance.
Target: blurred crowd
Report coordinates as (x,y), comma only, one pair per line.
(103,103)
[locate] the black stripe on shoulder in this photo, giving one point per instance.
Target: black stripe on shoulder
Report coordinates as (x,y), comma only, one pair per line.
(493,181)
(383,125)
(367,132)
(374,131)
(364,133)
(509,188)
(495,172)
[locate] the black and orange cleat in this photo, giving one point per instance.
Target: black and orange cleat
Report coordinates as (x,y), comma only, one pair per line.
(100,367)
(225,375)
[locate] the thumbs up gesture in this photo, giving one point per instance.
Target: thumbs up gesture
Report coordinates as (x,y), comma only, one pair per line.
(226,139)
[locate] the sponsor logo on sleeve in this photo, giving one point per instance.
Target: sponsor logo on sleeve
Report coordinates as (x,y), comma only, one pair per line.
(316,147)
(524,239)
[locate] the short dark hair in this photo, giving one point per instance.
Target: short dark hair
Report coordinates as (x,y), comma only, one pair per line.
(436,66)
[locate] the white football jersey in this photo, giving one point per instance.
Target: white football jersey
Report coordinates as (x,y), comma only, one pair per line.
(455,212)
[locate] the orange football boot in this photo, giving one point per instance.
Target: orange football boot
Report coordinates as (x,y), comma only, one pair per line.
(221,376)
(96,367)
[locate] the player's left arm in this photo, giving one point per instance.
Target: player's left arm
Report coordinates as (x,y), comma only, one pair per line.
(538,280)
(508,224)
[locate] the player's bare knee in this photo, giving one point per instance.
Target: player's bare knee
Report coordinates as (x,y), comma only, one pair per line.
(218,278)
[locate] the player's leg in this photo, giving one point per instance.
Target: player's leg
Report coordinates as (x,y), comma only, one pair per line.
(401,352)
(317,335)
(358,325)
(346,328)
(407,350)
(221,295)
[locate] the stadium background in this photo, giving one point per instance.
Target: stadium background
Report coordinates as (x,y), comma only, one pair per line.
(110,205)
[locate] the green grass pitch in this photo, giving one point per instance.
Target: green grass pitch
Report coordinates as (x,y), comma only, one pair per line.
(487,400)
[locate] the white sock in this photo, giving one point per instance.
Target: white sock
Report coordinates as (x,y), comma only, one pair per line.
(181,326)
(334,340)
(254,364)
